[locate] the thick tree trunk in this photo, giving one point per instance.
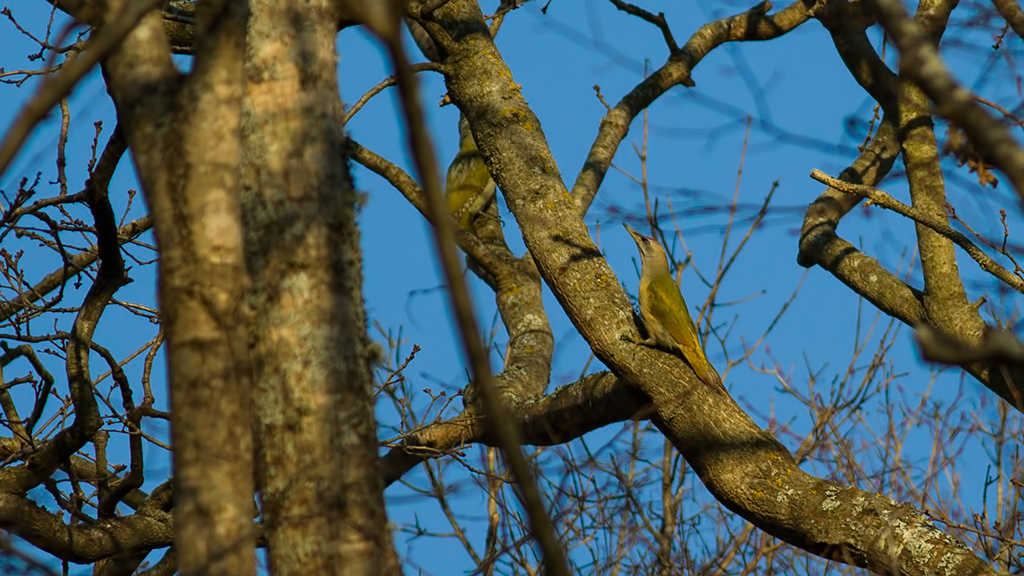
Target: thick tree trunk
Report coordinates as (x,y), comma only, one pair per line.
(185,139)
(322,494)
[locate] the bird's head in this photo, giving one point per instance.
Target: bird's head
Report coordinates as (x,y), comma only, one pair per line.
(652,255)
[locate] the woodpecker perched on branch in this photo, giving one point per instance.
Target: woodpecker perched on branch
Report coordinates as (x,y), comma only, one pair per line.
(664,311)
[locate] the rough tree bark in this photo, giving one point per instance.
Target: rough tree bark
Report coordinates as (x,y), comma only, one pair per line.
(185,137)
(322,496)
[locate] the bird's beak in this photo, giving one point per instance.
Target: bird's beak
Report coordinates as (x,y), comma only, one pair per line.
(633,233)
(636,235)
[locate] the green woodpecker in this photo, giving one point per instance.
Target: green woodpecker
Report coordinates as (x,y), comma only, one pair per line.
(664,311)
(468,185)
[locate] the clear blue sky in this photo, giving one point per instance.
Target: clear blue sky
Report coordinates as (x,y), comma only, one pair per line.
(800,98)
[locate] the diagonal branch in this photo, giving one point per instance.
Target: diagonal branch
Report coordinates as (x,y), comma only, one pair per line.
(495,264)
(880,198)
(569,412)
(656,19)
(74,266)
(921,63)
(751,25)
(1013,14)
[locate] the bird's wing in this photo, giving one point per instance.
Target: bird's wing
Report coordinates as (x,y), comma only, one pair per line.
(667,303)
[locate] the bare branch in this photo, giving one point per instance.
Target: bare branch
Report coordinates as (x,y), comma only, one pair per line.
(886,201)
(82,543)
(74,266)
(58,86)
(996,346)
(386,83)
(921,63)
(569,412)
(1013,14)
(752,25)
(656,19)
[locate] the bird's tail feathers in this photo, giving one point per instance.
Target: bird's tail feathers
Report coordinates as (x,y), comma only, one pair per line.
(707,374)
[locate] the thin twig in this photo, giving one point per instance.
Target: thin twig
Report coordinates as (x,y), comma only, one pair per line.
(656,19)
(60,85)
(386,83)
(888,202)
